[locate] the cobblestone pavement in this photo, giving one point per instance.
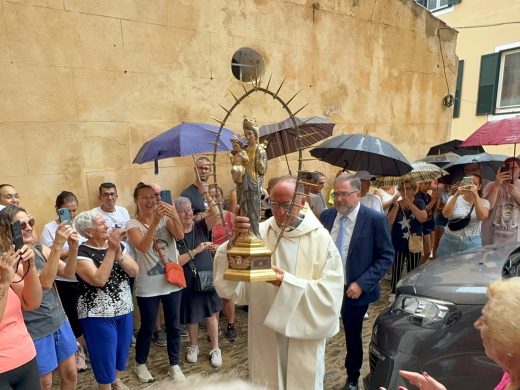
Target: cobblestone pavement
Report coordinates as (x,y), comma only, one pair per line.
(235,355)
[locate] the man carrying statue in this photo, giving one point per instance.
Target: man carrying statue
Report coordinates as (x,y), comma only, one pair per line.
(291,317)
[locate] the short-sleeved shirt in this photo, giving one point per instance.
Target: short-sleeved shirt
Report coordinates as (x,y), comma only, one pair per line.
(50,315)
(111,300)
(429,224)
(150,281)
(460,210)
(404,225)
(198,203)
(47,239)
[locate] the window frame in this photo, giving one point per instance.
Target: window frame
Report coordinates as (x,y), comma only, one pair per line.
(508,109)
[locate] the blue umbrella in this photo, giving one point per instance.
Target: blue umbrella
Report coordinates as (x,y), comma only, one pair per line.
(185,139)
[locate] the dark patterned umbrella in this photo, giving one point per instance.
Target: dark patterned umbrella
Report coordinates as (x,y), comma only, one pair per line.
(281,136)
(440,159)
(358,152)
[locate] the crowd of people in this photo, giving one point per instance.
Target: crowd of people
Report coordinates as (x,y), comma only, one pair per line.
(68,291)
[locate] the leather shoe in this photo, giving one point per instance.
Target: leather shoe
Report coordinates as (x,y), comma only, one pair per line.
(351,386)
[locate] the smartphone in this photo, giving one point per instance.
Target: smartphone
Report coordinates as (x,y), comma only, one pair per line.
(64,215)
(166,196)
(16,232)
(504,168)
(467,181)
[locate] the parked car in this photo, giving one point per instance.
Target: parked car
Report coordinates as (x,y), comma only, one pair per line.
(429,327)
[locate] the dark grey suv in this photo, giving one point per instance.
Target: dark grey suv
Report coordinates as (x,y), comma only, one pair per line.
(429,327)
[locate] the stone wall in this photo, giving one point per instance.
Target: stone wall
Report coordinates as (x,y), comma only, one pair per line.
(83,84)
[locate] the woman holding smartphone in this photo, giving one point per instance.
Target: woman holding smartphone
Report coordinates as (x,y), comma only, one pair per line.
(465,211)
(152,233)
(18,366)
(48,325)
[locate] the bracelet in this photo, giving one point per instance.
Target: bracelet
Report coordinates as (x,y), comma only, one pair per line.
(121,259)
(190,253)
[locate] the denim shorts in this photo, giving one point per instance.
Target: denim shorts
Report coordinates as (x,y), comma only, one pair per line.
(451,243)
(54,348)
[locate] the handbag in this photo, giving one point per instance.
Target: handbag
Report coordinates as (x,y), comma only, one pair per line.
(202,280)
(460,223)
(173,272)
(415,242)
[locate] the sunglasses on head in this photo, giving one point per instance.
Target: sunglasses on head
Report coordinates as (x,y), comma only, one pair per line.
(24,224)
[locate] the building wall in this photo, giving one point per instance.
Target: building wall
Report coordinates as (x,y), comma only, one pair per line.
(85,83)
(471,45)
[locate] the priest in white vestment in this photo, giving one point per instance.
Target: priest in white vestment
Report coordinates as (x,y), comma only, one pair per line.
(290,319)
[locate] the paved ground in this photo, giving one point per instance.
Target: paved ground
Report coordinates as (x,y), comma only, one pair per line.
(235,355)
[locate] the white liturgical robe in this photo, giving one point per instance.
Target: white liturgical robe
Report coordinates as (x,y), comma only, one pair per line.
(288,325)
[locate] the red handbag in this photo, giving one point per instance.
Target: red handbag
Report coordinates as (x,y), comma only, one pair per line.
(174,274)
(172,271)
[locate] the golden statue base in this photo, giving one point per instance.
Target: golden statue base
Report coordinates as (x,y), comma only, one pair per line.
(249,261)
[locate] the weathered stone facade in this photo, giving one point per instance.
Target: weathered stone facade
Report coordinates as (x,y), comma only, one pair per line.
(84,83)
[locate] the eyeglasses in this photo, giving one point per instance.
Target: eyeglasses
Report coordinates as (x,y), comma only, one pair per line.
(24,224)
(343,194)
(185,211)
(11,196)
(109,194)
(285,206)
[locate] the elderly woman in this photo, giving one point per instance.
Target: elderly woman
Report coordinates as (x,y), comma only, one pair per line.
(405,218)
(467,209)
(48,325)
(499,326)
(18,365)
(152,233)
(197,306)
(105,301)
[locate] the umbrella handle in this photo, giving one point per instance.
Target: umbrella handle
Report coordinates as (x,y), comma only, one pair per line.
(345,167)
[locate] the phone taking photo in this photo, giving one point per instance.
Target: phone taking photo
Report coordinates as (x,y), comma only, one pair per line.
(17,234)
(166,196)
(64,215)
(467,181)
(504,168)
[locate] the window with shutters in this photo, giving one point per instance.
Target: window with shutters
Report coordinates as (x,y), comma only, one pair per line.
(499,83)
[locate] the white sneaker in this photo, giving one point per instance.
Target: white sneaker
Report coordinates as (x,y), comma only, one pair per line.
(216,357)
(142,373)
(176,373)
(192,353)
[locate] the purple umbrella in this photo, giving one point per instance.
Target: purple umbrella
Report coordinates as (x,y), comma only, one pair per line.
(185,139)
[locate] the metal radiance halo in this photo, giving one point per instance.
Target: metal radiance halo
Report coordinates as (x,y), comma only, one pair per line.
(256,87)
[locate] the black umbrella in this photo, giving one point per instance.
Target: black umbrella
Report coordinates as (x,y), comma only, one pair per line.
(489,164)
(281,136)
(454,146)
(440,159)
(358,152)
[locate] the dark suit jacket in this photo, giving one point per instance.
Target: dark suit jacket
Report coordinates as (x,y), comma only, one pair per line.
(370,253)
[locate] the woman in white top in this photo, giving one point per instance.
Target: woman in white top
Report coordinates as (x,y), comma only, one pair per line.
(465,202)
(152,233)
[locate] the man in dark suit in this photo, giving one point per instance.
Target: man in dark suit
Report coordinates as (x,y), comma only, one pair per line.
(363,241)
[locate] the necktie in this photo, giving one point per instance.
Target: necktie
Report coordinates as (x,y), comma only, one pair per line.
(340,239)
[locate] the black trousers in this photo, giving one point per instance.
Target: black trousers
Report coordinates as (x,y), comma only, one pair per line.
(25,377)
(352,318)
(69,293)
